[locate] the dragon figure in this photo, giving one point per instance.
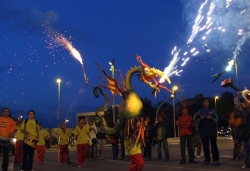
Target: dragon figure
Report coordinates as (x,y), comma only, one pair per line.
(130,105)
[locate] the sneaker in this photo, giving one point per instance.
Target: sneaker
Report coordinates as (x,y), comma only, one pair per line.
(182,162)
(198,156)
(79,166)
(244,167)
(216,163)
(205,162)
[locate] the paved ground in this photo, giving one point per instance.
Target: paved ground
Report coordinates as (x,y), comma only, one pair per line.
(225,147)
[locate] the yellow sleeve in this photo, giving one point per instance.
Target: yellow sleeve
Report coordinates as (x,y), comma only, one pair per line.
(75,132)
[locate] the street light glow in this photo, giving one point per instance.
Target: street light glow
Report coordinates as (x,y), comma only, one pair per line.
(58,80)
(216,97)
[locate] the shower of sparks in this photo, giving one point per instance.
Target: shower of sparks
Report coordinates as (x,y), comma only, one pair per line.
(171,69)
(56,39)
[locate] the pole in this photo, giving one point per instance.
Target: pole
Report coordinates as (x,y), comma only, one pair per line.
(113,76)
(215,105)
(174,118)
(58,111)
(237,76)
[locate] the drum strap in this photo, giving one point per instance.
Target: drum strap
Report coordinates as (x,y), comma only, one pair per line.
(25,122)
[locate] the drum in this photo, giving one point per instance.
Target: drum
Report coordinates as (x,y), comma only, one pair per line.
(4,142)
(30,140)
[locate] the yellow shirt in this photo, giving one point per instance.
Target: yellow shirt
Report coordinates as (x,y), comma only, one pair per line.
(82,134)
(19,134)
(132,148)
(63,137)
(42,134)
(7,126)
(30,126)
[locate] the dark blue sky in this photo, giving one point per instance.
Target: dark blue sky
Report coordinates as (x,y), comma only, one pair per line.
(103,30)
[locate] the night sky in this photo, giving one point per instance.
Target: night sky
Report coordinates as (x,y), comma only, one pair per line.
(32,59)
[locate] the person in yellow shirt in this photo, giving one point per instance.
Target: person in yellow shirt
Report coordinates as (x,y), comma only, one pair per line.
(81,138)
(7,130)
(133,147)
(19,144)
(63,152)
(40,147)
(29,127)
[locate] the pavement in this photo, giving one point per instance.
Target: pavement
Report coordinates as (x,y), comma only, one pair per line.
(225,145)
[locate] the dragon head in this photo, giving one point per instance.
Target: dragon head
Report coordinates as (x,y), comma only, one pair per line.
(149,74)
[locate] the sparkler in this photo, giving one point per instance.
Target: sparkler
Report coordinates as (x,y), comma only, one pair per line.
(60,40)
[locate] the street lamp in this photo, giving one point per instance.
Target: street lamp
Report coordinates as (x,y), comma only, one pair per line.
(112,69)
(58,110)
(174,90)
(66,120)
(215,98)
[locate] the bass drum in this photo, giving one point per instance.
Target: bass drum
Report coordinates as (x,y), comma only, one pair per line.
(30,140)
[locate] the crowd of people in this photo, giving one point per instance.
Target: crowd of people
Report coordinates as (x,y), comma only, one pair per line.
(197,133)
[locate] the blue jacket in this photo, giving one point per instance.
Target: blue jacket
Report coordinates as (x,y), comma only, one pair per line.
(207,127)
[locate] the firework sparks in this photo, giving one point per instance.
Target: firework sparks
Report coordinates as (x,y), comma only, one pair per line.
(171,69)
(57,39)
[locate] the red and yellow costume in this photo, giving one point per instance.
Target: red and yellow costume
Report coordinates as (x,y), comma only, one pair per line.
(19,145)
(40,147)
(81,131)
(134,153)
(63,152)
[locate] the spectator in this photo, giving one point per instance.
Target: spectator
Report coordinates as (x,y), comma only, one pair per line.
(101,139)
(207,120)
(115,142)
(197,139)
(242,110)
(148,138)
(237,143)
(185,124)
(92,132)
(160,134)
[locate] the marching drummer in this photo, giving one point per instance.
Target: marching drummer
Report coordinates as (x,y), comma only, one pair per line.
(19,144)
(30,128)
(40,147)
(7,131)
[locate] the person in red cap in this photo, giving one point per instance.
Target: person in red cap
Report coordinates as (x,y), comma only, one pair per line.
(19,144)
(63,152)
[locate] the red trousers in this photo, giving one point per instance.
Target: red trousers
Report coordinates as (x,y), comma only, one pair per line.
(40,153)
(81,153)
(136,162)
(18,152)
(63,153)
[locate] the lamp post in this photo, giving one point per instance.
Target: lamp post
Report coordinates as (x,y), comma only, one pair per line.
(215,98)
(229,67)
(66,120)
(174,90)
(112,69)
(58,110)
